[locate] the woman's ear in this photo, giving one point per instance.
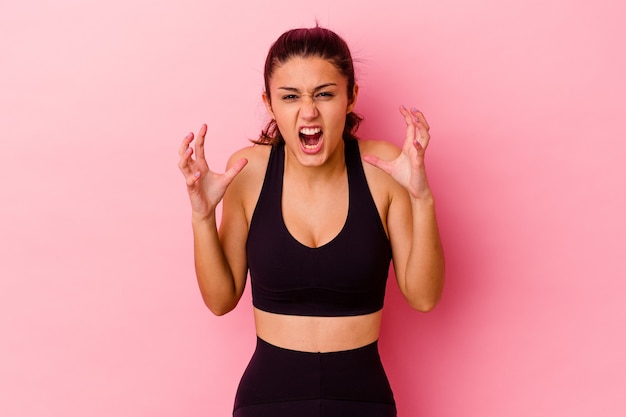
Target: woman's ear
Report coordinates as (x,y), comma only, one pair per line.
(352,103)
(268,105)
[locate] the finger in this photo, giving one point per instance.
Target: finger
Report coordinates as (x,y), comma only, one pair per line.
(200,142)
(410,123)
(408,117)
(191,179)
(423,137)
(420,118)
(185,144)
(378,163)
(419,146)
(235,169)
(183,163)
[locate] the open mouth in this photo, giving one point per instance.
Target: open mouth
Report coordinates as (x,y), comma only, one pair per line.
(310,137)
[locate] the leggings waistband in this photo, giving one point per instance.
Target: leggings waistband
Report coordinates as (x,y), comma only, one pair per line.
(277,375)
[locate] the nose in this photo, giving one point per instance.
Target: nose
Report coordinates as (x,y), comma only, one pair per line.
(308,110)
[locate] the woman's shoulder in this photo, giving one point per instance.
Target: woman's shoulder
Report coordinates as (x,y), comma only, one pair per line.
(257,157)
(255,154)
(247,184)
(380,181)
(382,186)
(380,148)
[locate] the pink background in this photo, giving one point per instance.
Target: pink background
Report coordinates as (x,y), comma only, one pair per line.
(100,313)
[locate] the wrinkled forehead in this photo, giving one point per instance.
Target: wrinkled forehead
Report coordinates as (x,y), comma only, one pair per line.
(306,74)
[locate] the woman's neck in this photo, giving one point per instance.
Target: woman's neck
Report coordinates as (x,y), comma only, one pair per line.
(333,167)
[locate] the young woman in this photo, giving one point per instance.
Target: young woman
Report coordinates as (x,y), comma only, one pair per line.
(317,229)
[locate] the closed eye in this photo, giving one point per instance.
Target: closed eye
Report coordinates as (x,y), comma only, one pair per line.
(325,94)
(289,97)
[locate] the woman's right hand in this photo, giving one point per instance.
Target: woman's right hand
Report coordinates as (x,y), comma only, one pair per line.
(205,187)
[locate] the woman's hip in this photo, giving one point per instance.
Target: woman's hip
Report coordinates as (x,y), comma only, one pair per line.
(278,378)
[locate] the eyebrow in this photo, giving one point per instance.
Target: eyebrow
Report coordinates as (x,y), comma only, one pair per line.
(319,87)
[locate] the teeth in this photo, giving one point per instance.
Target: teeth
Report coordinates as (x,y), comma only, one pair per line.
(310,130)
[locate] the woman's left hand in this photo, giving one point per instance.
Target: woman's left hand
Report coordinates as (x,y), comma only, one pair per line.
(408,168)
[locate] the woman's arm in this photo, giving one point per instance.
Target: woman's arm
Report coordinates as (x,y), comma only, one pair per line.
(411,219)
(219,257)
(417,251)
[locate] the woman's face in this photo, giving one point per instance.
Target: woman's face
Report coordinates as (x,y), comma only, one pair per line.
(309,102)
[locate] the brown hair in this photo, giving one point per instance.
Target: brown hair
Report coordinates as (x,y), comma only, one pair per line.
(318,42)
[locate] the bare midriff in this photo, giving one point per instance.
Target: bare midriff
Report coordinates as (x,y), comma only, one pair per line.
(317,334)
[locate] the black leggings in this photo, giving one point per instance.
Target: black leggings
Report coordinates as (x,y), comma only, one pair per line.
(288,383)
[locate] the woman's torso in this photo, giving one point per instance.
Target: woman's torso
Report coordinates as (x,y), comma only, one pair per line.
(314,215)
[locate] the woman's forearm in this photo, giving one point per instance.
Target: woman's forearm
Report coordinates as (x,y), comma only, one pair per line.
(215,277)
(424,273)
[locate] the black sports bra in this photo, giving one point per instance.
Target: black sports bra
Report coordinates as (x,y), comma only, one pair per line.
(345,277)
